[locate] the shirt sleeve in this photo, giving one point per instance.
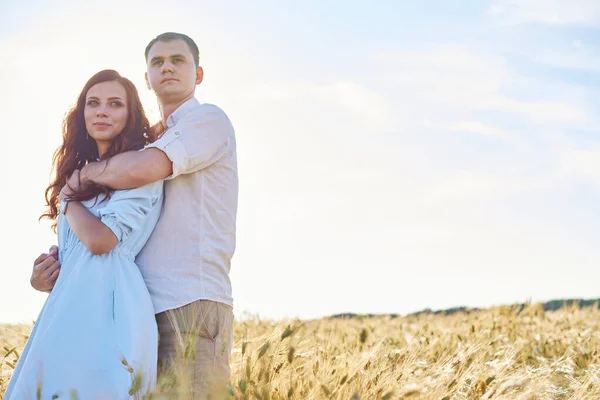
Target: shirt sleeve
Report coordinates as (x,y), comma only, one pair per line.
(126,210)
(197,141)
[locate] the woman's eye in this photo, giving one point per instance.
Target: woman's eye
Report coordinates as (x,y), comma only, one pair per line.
(116,104)
(92,103)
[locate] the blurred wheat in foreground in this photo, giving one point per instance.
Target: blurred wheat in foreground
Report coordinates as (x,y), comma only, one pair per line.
(500,353)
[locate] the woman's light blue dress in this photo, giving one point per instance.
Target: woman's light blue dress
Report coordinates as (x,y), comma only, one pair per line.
(96,333)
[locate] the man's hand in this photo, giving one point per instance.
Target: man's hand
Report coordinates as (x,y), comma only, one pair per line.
(84,179)
(73,185)
(83,175)
(45,271)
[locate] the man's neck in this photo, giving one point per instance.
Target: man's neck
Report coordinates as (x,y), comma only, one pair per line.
(168,108)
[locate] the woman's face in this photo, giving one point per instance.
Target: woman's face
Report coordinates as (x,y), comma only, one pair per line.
(105,112)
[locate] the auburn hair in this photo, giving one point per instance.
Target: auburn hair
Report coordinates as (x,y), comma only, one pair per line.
(79,149)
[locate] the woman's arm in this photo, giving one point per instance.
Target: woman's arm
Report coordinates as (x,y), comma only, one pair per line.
(94,234)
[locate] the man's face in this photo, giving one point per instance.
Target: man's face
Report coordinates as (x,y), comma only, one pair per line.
(172,74)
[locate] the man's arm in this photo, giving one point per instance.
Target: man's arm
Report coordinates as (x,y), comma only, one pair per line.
(198,140)
(129,170)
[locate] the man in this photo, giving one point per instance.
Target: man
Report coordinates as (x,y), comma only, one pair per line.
(186,261)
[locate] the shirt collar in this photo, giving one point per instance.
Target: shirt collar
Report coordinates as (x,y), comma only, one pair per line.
(181,111)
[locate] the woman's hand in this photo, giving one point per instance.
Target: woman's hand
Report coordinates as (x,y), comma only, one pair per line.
(45,271)
(72,185)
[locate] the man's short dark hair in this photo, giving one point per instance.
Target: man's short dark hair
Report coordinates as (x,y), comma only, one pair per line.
(168,36)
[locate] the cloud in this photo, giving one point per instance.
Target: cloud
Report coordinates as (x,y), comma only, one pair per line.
(581,164)
(577,55)
(453,78)
(554,12)
(423,98)
(479,128)
(356,100)
(474,185)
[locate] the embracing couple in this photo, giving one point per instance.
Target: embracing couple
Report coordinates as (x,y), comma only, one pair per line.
(145,216)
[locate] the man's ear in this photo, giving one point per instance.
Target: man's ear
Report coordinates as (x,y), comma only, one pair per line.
(147,81)
(199,75)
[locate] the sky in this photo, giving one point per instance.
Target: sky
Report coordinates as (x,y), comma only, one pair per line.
(393,157)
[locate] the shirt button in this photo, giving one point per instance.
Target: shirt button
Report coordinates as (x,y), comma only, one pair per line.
(177,132)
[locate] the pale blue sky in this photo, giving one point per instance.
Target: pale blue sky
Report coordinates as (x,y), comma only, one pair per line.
(393,157)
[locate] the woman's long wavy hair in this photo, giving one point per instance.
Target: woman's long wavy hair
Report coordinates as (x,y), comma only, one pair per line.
(78,148)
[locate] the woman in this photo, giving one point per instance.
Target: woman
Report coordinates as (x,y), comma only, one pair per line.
(96,335)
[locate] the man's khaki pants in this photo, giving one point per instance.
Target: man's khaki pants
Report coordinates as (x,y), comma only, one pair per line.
(195,344)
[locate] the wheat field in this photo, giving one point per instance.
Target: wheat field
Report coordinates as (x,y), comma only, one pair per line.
(505,352)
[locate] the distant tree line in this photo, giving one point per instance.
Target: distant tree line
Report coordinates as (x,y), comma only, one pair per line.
(551,305)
